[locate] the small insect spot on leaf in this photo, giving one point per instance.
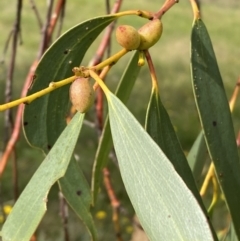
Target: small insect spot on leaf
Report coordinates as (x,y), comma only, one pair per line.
(214,123)
(66,51)
(25,123)
(79,192)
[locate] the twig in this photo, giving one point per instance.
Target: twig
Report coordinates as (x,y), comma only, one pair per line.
(9,80)
(34,8)
(45,36)
(238,139)
(62,14)
(114,203)
(166,6)
(151,69)
(15,134)
(64,215)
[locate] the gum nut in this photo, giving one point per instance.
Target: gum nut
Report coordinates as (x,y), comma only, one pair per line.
(128,37)
(81,94)
(150,33)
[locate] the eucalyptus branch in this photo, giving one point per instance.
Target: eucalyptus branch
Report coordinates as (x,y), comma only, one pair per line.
(166,6)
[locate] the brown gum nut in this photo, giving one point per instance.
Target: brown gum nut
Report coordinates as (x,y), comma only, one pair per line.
(150,33)
(128,37)
(81,94)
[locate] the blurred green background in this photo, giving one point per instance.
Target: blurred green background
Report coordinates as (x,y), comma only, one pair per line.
(171,57)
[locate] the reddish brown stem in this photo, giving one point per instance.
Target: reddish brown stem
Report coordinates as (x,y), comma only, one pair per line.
(64,216)
(114,203)
(166,6)
(151,68)
(17,127)
(238,139)
(15,134)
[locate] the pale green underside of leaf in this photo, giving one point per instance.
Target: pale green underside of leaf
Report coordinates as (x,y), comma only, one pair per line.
(164,205)
(31,205)
(123,92)
(215,117)
(48,113)
(160,128)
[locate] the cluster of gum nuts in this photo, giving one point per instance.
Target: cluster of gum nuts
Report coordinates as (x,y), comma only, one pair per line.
(81,91)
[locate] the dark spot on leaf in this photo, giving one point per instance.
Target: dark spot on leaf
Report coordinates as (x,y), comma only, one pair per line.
(25,123)
(26,103)
(214,123)
(169,216)
(208,218)
(49,147)
(66,51)
(79,192)
(34,77)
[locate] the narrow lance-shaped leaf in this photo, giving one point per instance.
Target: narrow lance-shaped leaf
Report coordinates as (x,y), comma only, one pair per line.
(123,92)
(31,205)
(154,187)
(160,128)
(44,118)
(197,157)
(215,117)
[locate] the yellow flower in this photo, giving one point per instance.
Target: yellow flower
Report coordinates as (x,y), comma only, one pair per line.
(101,215)
(7,209)
(129,229)
(1,218)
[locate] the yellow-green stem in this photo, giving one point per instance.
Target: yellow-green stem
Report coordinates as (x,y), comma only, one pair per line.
(110,61)
(140,13)
(99,81)
(196,12)
(30,98)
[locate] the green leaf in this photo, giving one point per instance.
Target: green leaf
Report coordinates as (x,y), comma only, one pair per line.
(160,128)
(77,193)
(31,205)
(105,144)
(44,119)
(215,117)
(197,157)
(164,205)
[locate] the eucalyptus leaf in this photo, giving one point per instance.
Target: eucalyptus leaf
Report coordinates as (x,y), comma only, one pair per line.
(160,128)
(164,205)
(215,117)
(45,118)
(123,92)
(197,157)
(32,204)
